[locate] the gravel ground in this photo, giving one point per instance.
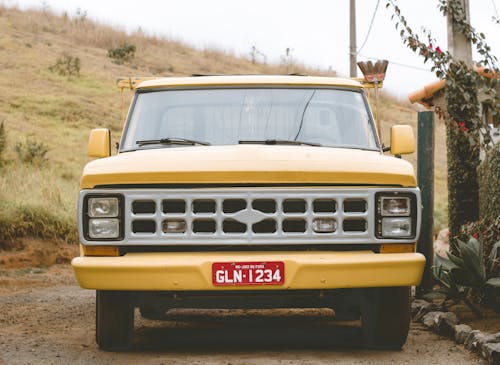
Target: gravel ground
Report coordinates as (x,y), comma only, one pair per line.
(45,318)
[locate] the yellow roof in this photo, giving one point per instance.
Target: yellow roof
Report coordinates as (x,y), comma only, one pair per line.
(247,80)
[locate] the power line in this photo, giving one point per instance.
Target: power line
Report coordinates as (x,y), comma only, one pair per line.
(369,28)
(397,63)
(495,8)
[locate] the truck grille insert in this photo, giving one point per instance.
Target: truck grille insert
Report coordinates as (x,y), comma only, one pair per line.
(264,216)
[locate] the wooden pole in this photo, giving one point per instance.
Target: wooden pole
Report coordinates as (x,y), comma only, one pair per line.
(458,45)
(425,177)
(352,38)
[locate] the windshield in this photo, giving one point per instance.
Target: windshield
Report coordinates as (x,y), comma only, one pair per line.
(326,117)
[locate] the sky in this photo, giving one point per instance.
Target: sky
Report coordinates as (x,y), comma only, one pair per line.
(316,31)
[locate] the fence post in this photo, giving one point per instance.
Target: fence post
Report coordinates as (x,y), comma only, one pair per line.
(425,177)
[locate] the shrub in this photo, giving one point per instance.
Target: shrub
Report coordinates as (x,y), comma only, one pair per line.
(489,189)
(485,230)
(31,152)
(468,275)
(67,65)
(122,54)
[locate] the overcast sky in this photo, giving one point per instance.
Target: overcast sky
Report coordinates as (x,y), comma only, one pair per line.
(317,31)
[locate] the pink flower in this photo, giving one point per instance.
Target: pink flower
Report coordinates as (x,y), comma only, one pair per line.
(438,50)
(475,235)
(430,45)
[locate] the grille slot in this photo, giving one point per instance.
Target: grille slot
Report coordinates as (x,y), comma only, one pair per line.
(203,206)
(354,225)
(174,206)
(355,206)
(294,226)
(204,226)
(264,226)
(294,206)
(143,207)
(233,226)
(324,206)
(264,205)
(144,226)
(233,205)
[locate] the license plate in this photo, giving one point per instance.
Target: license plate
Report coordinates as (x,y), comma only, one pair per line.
(248,273)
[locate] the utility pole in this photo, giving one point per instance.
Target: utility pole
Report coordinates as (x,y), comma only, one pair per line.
(458,44)
(352,38)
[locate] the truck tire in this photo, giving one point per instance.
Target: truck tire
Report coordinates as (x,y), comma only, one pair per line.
(385,316)
(114,320)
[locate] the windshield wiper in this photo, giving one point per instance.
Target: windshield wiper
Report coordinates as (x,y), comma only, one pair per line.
(281,142)
(180,141)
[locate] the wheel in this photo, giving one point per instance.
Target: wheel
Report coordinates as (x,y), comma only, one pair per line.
(114,320)
(385,316)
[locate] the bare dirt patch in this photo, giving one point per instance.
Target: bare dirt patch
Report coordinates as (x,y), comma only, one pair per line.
(34,252)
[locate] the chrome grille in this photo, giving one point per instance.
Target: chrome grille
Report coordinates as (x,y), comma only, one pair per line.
(249,216)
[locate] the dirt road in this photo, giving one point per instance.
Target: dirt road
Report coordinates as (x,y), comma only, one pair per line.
(45,318)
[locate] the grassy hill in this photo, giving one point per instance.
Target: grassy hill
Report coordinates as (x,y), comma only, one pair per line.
(41,108)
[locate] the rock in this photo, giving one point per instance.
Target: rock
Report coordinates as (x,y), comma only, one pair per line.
(430,319)
(472,339)
(462,331)
(424,307)
(477,340)
(446,324)
(491,352)
(417,305)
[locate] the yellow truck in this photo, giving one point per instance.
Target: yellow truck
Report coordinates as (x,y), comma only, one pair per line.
(253,192)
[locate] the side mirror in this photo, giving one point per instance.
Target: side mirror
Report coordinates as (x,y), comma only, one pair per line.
(99,143)
(402,140)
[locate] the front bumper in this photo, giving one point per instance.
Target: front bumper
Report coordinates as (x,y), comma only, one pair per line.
(180,271)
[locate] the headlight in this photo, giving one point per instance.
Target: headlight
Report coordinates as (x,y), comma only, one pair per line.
(103,217)
(104,228)
(396,227)
(103,207)
(396,215)
(395,206)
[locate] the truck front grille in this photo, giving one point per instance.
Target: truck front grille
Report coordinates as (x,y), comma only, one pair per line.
(250,216)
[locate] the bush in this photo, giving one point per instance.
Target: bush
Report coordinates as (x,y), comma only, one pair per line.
(35,221)
(122,54)
(468,275)
(31,152)
(489,188)
(67,65)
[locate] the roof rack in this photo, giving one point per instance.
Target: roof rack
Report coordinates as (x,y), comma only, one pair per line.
(131,82)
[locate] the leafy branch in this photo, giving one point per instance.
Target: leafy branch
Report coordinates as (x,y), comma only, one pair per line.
(462,83)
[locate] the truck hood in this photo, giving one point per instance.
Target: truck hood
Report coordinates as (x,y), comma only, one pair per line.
(249,164)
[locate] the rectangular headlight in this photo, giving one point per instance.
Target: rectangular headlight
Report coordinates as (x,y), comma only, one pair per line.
(104,228)
(396,227)
(395,206)
(102,216)
(103,207)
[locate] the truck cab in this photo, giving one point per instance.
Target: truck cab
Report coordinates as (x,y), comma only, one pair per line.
(253,192)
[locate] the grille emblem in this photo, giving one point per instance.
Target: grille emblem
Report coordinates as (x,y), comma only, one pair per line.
(249,216)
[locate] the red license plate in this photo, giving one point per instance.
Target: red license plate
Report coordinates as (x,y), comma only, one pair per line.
(248,273)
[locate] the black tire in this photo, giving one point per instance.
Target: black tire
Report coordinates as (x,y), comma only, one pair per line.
(114,320)
(385,315)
